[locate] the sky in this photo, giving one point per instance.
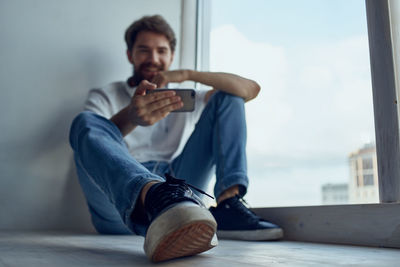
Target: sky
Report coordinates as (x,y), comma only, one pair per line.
(315,107)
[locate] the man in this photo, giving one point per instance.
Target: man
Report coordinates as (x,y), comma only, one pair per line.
(127,140)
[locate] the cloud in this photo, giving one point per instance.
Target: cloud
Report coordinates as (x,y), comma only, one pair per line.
(315,100)
(232,52)
(314,108)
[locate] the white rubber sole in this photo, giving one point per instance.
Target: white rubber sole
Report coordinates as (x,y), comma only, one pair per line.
(252,235)
(183,230)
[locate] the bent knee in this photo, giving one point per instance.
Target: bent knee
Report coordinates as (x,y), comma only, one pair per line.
(84,117)
(229,98)
(86,121)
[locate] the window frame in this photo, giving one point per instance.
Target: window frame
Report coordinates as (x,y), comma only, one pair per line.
(360,224)
(385,99)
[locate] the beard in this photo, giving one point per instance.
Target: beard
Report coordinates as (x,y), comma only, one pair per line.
(140,73)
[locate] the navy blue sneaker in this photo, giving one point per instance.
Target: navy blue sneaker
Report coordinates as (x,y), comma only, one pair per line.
(236,221)
(180,223)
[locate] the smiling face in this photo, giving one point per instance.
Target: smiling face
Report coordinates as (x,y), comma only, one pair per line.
(150,54)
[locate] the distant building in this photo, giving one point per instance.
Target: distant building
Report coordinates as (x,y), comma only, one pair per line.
(363,183)
(333,194)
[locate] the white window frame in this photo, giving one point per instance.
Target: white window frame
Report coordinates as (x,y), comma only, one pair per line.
(361,224)
(194,37)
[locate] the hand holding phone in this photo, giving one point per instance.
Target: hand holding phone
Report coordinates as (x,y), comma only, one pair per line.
(146,109)
(187,97)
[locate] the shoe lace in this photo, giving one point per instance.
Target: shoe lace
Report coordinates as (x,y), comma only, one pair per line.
(171,180)
(243,207)
(172,191)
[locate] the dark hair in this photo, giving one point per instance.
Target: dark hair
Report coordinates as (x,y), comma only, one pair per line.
(155,24)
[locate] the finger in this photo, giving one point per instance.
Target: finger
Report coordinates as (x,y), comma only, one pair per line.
(144,86)
(161,84)
(140,91)
(153,97)
(163,112)
(156,105)
(160,79)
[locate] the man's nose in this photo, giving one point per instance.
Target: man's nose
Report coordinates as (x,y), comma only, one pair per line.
(154,57)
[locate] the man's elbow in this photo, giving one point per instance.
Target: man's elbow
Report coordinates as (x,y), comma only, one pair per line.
(253,90)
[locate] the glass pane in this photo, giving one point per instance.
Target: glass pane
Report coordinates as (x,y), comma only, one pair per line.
(311,127)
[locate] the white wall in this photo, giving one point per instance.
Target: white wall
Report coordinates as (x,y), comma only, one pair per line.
(52,53)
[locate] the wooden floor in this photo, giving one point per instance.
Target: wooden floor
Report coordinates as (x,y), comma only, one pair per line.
(60,249)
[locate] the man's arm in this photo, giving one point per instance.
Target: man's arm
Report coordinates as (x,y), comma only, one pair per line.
(227,82)
(146,110)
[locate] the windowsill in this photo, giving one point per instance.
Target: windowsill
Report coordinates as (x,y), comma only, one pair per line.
(375,225)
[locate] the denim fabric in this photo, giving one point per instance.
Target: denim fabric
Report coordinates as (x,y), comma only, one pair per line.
(112,179)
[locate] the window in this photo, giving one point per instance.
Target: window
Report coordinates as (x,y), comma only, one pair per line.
(367,224)
(368,179)
(367,163)
(311,59)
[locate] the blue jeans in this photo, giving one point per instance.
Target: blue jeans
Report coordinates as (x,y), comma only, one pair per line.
(111,179)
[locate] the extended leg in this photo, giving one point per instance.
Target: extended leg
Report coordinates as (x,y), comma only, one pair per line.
(110,177)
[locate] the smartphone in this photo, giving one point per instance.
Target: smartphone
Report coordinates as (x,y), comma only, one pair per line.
(187,96)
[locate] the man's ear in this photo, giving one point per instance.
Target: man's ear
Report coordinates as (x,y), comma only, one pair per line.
(129,55)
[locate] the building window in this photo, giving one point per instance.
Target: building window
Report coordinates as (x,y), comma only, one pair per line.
(367,163)
(368,179)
